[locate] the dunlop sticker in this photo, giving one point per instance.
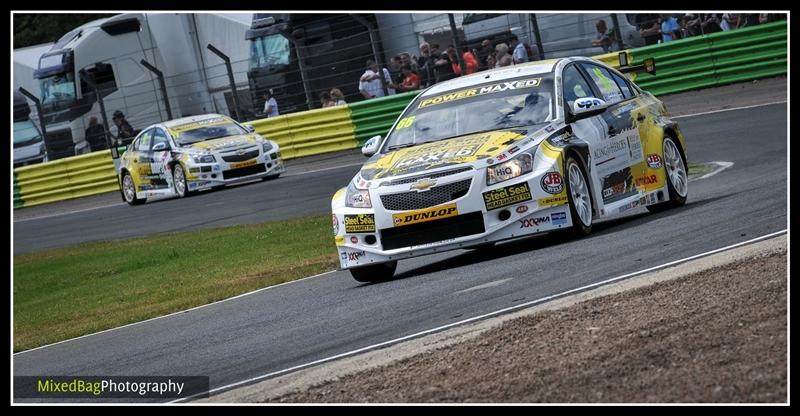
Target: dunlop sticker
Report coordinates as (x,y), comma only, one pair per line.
(361,223)
(424,215)
(552,200)
(509,195)
(476,91)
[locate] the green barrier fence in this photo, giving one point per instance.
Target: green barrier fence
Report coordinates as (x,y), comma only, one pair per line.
(716,59)
(376,116)
(687,64)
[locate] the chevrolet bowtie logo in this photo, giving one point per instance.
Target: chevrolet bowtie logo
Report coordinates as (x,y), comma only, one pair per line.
(423,184)
(240,152)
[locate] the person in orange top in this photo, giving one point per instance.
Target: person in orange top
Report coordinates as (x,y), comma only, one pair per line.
(411,80)
(469,60)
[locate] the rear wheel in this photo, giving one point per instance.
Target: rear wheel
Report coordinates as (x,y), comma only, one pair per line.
(580,201)
(375,272)
(677,177)
(129,191)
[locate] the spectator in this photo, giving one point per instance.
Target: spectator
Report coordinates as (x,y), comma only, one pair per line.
(124,129)
(602,37)
(503,57)
(435,50)
(411,80)
(270,105)
(425,64)
(469,61)
(443,68)
(483,53)
(520,55)
(405,59)
(96,135)
(325,99)
(491,60)
(370,84)
(748,20)
(396,70)
(649,28)
(669,28)
(337,97)
(727,22)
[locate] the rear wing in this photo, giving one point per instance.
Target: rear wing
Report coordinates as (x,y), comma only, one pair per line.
(648,65)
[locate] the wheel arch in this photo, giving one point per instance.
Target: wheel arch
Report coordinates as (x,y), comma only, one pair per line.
(580,152)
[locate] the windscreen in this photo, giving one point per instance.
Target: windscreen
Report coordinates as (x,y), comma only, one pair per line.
(518,102)
(189,135)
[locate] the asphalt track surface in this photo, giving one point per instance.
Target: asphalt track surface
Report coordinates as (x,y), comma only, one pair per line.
(312,319)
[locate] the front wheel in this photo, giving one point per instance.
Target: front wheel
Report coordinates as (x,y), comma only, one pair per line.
(580,201)
(179,180)
(375,272)
(129,191)
(677,177)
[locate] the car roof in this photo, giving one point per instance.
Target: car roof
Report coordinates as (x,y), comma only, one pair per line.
(498,74)
(172,124)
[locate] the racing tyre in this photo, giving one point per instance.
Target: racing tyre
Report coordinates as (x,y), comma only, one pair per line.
(580,199)
(375,272)
(129,191)
(677,177)
(270,177)
(179,181)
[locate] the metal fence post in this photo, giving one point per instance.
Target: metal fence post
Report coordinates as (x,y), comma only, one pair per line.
(375,54)
(160,76)
(236,111)
(538,35)
(91,84)
(457,44)
(42,123)
(617,32)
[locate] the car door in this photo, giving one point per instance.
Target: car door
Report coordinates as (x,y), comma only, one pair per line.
(618,160)
(161,154)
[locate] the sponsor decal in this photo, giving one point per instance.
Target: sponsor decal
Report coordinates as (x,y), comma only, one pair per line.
(502,157)
(405,123)
(216,167)
(354,240)
(552,200)
(335,221)
(552,183)
(192,185)
(489,161)
(513,150)
(359,223)
(628,206)
(646,180)
(423,184)
(561,139)
(616,189)
(243,164)
(477,91)
(355,255)
(549,129)
(506,196)
(533,222)
(589,103)
(339,240)
(344,256)
(424,215)
(558,218)
(654,161)
(522,209)
(195,124)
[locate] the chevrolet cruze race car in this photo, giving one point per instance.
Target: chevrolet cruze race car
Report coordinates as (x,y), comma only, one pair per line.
(187,155)
(507,153)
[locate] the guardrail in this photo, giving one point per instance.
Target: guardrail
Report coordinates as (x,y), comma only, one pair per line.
(715,59)
(687,64)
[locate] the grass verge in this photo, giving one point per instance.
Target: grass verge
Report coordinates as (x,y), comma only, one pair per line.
(68,292)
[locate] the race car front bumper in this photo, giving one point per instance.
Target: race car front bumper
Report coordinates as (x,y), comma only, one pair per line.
(378,235)
(210,175)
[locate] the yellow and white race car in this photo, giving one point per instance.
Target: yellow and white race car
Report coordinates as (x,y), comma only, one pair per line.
(187,155)
(507,153)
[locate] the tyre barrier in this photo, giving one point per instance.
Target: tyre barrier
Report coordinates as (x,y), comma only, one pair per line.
(681,65)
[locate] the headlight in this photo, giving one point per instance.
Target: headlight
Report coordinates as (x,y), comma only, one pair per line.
(517,166)
(267,146)
(357,198)
(204,158)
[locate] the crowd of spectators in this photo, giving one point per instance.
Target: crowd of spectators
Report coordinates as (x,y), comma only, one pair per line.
(668,27)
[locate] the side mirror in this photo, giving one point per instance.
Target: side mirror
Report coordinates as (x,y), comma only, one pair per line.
(160,147)
(371,146)
(250,128)
(587,107)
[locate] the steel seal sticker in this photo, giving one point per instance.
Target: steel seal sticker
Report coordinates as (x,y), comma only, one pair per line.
(506,196)
(360,223)
(552,183)
(474,92)
(424,215)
